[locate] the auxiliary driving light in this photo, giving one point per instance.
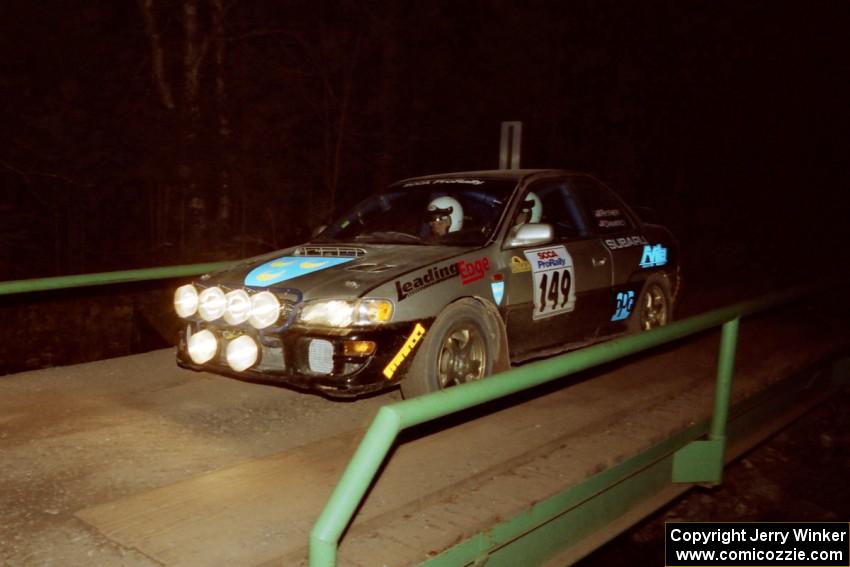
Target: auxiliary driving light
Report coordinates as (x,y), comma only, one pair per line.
(265,309)
(242,353)
(212,304)
(202,346)
(186,300)
(237,307)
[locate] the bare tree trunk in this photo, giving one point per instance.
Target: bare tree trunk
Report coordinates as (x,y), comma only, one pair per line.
(340,133)
(157,56)
(335,115)
(193,205)
(187,199)
(388,108)
(160,196)
(225,199)
(192,58)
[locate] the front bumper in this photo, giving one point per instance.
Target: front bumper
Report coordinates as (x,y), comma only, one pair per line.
(285,357)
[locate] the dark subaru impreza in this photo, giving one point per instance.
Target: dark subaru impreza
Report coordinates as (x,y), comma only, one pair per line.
(434,282)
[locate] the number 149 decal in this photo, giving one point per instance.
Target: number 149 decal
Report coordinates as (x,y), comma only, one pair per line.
(554,281)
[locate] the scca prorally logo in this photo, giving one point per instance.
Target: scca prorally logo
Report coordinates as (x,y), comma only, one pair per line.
(434,275)
(653,256)
(549,259)
(473,271)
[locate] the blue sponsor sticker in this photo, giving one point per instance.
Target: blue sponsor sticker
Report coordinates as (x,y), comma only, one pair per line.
(625,302)
(653,256)
(289,267)
(498,291)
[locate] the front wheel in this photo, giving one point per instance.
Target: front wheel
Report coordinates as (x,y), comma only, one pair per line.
(654,307)
(459,347)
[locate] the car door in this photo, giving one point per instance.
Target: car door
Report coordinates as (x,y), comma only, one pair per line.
(555,291)
(612,225)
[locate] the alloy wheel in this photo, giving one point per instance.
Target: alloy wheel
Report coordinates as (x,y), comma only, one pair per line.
(462,356)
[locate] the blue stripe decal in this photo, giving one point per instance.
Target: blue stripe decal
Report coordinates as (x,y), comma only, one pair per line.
(289,267)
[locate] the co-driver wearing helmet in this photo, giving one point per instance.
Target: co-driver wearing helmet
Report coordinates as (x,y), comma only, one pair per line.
(530,210)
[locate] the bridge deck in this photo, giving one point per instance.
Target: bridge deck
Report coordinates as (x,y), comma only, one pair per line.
(136,461)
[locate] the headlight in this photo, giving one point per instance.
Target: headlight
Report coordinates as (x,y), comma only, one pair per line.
(237,307)
(212,304)
(335,313)
(202,346)
(242,353)
(186,300)
(344,313)
(265,309)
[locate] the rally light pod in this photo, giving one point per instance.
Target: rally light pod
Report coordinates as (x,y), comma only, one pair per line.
(212,304)
(202,346)
(242,353)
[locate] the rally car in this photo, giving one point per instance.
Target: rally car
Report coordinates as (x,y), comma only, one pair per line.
(436,281)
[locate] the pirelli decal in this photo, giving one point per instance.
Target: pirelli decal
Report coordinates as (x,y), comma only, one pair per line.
(406,349)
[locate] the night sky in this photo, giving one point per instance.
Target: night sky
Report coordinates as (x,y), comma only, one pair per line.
(153,132)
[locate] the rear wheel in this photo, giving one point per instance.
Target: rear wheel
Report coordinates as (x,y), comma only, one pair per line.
(459,347)
(654,308)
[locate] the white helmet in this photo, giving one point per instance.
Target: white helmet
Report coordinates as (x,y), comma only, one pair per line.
(447,206)
(532,204)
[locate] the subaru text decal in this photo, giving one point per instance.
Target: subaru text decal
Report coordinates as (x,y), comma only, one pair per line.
(625,242)
(289,267)
(653,256)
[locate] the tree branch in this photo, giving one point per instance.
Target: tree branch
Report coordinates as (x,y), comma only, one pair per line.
(25,175)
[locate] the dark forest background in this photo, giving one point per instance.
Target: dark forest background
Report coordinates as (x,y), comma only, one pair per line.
(153,132)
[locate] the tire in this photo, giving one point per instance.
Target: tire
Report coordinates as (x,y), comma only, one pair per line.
(654,308)
(461,346)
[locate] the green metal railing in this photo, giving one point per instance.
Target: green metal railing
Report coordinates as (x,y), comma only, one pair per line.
(104,278)
(699,461)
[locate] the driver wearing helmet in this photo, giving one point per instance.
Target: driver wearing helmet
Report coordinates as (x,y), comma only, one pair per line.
(445,215)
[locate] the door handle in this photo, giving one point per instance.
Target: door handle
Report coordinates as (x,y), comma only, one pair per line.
(599,262)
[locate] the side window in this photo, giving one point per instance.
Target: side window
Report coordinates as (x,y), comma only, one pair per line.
(551,202)
(603,210)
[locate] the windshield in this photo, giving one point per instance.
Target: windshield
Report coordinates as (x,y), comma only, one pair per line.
(458,212)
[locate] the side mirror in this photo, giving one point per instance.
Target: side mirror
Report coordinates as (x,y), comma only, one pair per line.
(532,234)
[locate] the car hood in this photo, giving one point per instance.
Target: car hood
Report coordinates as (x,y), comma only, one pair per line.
(319,271)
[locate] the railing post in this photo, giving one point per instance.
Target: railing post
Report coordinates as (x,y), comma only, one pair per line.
(355,482)
(725,371)
(702,461)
